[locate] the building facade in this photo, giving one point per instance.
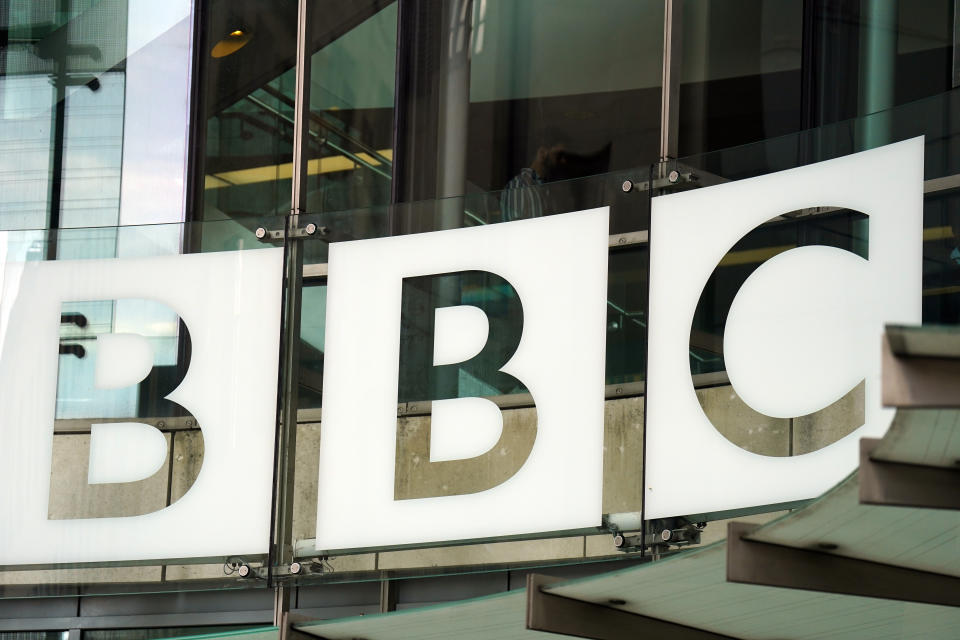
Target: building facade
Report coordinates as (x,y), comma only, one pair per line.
(136,132)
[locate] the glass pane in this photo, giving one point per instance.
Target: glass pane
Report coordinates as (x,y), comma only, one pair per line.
(741,72)
(353,69)
(246,90)
(93,112)
(496,94)
(132,416)
(771,67)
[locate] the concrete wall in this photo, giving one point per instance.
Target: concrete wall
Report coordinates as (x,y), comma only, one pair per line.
(71,497)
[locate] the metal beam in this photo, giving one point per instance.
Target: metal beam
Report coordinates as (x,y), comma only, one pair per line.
(557,614)
(919,381)
(898,484)
(774,565)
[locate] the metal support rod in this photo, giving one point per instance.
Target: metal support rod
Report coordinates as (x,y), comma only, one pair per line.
(281,548)
(670,86)
(388,596)
(58,137)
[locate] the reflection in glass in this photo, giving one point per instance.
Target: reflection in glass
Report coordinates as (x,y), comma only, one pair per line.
(93,113)
(496,95)
(766,68)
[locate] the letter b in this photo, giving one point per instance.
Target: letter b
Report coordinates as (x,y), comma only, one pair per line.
(438,357)
(131,374)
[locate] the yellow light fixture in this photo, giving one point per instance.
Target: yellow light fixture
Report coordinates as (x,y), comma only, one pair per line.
(231,43)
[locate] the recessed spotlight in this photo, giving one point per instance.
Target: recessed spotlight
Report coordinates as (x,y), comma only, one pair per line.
(235,40)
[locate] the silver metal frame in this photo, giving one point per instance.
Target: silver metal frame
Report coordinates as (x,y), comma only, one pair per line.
(281,546)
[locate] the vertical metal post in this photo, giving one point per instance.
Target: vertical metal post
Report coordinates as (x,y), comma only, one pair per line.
(453,76)
(282,544)
(57,140)
(670,85)
(388,595)
(669,149)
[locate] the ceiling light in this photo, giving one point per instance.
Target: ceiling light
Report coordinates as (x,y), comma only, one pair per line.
(231,43)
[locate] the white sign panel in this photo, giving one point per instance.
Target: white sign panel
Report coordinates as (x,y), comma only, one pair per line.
(229,305)
(802,331)
(556,269)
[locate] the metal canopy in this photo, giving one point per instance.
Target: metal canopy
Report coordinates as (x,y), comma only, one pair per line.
(262,633)
(843,567)
(491,617)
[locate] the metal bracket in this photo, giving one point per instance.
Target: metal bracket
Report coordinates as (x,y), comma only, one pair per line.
(299,568)
(673,179)
(906,485)
(568,616)
(665,533)
(774,565)
(309,230)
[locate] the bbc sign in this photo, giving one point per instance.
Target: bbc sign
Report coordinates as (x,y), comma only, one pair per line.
(803,329)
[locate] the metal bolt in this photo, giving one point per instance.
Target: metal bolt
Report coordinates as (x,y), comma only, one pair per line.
(189,423)
(673,176)
(618,540)
(619,390)
(161,424)
(622,241)
(627,186)
(243,571)
(261,233)
(295,568)
(310,229)
(665,535)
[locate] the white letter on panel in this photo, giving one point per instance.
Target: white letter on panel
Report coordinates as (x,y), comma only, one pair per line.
(230,303)
(803,329)
(555,270)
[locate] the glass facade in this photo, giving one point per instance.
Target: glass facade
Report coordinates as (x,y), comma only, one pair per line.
(136,131)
